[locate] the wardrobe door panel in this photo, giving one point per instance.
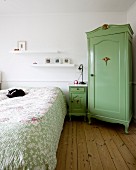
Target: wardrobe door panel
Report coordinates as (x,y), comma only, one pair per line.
(107,85)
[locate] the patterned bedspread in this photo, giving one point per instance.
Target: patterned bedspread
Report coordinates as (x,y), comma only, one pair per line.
(30,128)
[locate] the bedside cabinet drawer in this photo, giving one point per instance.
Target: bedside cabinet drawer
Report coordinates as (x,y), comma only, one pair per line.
(77,89)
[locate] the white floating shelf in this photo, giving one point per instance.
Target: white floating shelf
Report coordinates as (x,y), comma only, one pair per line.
(35,52)
(53,65)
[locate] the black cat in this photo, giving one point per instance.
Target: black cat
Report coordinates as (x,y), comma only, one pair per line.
(15,93)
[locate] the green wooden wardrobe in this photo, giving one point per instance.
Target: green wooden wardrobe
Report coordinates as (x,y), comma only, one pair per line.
(110,74)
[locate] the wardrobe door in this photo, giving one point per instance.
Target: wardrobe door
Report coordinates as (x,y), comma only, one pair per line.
(107,76)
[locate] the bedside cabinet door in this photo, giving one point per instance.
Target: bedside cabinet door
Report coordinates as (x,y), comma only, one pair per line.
(77,103)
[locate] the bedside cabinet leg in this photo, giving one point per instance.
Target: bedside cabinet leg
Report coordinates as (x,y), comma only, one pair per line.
(69,118)
(89,119)
(84,118)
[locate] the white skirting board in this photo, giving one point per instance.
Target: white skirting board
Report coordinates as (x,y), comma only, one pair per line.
(0,78)
(31,83)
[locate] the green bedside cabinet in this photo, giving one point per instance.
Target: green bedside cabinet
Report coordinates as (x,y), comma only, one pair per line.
(110,74)
(78,100)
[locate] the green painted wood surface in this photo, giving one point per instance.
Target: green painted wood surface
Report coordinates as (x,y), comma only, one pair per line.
(77,100)
(109,83)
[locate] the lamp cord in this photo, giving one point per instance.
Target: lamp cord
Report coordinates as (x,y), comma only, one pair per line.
(79,76)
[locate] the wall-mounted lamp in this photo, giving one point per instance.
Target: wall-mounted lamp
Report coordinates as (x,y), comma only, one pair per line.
(81,68)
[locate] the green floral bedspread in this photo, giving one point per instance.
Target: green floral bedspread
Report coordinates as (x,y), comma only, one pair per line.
(30,128)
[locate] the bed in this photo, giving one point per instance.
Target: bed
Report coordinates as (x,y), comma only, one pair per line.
(30,128)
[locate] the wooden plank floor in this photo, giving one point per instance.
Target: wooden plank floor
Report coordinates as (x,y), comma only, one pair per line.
(100,145)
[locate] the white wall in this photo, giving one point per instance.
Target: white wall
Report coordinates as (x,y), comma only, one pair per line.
(131,19)
(63,32)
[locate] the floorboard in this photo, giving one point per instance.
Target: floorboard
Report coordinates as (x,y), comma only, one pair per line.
(99,146)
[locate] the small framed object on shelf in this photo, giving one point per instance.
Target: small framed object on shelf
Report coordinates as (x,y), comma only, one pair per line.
(57,61)
(66,61)
(47,61)
(22,45)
